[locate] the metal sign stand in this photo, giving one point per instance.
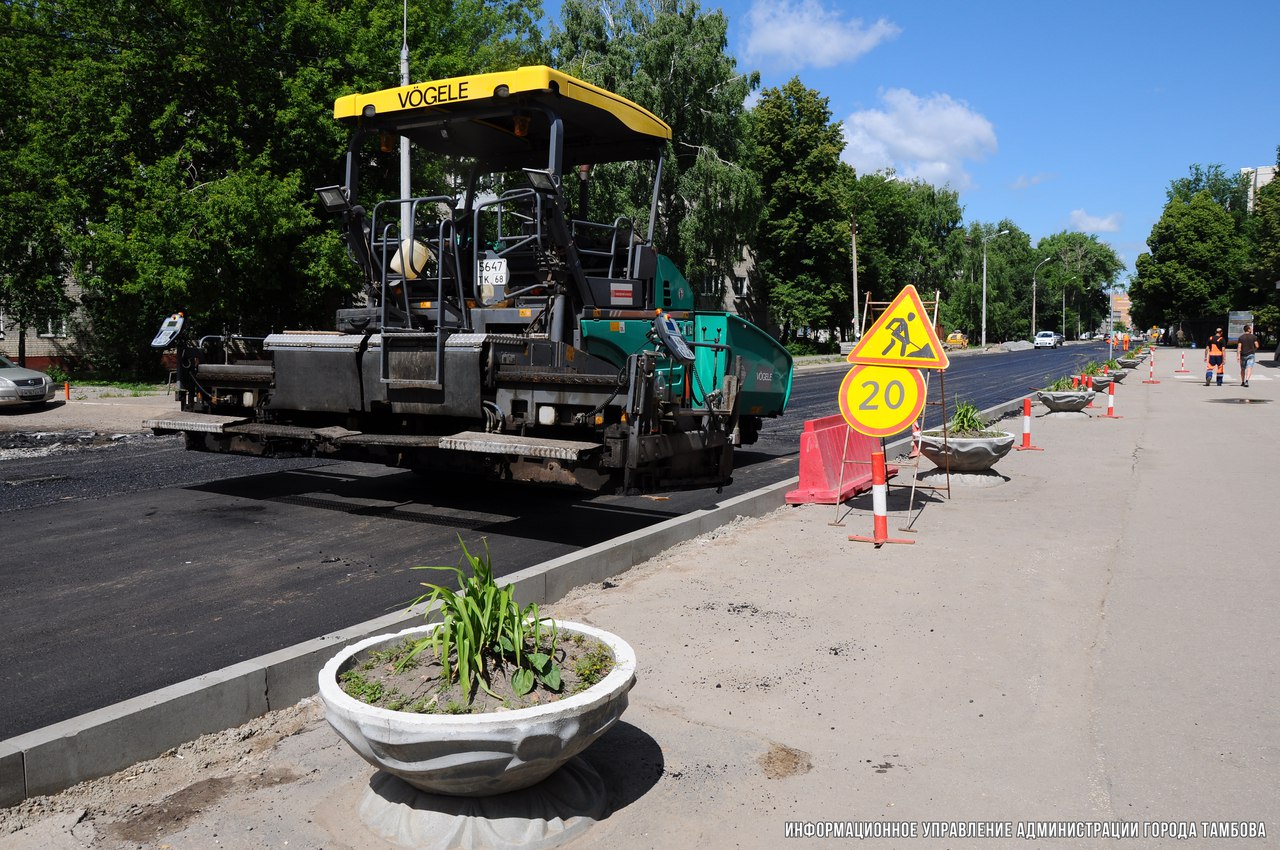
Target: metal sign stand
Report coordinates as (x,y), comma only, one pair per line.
(914,460)
(876,309)
(845,459)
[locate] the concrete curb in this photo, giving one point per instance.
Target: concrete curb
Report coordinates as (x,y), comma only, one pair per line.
(99,743)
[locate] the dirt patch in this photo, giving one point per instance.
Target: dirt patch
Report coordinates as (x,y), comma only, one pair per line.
(140,803)
(782,761)
(171,814)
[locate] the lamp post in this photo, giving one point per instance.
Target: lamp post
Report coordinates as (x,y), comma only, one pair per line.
(853,249)
(406,211)
(1033,294)
(985,240)
(1111,325)
(1064,306)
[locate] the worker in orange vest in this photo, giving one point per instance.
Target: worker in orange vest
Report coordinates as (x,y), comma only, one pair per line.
(1215,355)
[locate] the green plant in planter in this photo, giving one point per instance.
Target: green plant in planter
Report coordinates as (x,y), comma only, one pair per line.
(483,626)
(1091,368)
(1112,364)
(967,420)
(1061,385)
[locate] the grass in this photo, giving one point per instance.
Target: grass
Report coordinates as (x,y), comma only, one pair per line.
(593,666)
(128,388)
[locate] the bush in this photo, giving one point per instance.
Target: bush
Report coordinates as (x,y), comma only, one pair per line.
(57,374)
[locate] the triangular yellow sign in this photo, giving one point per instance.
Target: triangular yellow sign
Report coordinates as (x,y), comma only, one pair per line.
(901,337)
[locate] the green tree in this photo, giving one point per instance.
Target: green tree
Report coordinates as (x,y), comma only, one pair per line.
(176,146)
(1084,269)
(1008,296)
(908,232)
(1262,272)
(1229,191)
(670,57)
(1196,261)
(33,258)
(802,245)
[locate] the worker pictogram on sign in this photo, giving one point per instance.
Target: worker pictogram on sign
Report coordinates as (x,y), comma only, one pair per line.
(901,337)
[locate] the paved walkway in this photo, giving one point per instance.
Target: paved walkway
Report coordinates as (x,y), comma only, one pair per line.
(1096,639)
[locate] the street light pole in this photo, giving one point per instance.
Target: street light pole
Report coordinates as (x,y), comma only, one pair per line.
(1064,306)
(853,245)
(1033,294)
(406,211)
(1111,325)
(985,240)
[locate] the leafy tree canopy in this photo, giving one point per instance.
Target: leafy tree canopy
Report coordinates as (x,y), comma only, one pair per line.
(1229,191)
(670,57)
(1195,264)
(802,246)
(174,146)
(908,232)
(1085,269)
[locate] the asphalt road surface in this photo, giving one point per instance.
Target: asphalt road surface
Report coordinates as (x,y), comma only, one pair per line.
(133,566)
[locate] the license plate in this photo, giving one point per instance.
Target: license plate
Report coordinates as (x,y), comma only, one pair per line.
(493,272)
(31,393)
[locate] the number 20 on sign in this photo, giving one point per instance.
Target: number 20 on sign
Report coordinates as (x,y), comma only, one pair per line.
(880,401)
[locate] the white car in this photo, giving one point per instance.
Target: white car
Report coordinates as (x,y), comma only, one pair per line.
(1047,339)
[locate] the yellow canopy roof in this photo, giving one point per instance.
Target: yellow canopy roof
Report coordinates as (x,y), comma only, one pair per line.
(504,116)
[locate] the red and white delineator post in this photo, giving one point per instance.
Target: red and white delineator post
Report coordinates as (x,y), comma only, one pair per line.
(879,505)
(915,439)
(1183,368)
(1086,381)
(1151,369)
(1111,404)
(1026,429)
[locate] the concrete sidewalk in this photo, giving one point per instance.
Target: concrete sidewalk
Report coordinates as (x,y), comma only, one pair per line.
(1093,640)
(106,410)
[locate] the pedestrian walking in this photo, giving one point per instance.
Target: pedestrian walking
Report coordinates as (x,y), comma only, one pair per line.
(1246,354)
(1214,356)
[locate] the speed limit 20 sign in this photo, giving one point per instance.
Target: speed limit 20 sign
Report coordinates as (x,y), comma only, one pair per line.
(880,401)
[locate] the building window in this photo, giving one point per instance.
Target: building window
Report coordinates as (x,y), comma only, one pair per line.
(54,329)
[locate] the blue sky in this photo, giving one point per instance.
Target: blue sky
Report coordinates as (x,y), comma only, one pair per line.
(1057,116)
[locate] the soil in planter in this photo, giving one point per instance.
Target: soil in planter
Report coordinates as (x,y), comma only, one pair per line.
(421,687)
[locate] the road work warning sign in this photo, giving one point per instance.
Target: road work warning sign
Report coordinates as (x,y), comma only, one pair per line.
(901,336)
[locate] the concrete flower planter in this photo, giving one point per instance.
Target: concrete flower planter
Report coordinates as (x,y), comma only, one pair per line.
(1065,401)
(477,755)
(1118,375)
(1100,382)
(1129,362)
(965,454)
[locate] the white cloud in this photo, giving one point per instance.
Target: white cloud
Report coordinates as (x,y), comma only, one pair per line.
(926,138)
(1085,223)
(1026,182)
(805,33)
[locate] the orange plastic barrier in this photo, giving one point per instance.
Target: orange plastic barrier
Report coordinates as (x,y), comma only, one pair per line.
(822,448)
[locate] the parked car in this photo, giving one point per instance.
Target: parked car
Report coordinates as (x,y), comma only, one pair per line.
(23,386)
(1048,339)
(1059,338)
(957,339)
